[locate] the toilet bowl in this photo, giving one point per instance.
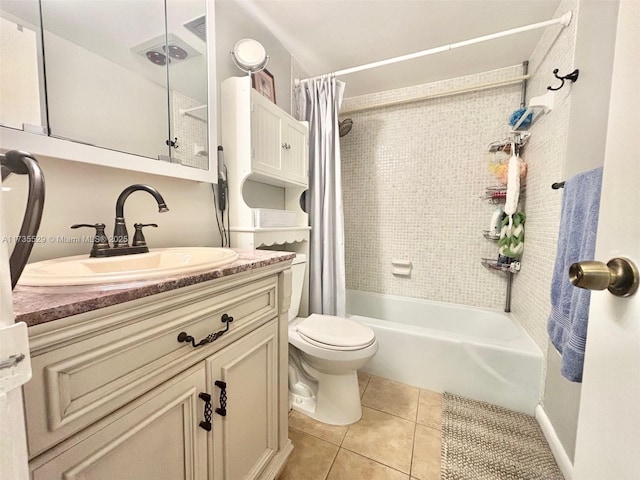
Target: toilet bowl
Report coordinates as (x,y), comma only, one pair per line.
(325,353)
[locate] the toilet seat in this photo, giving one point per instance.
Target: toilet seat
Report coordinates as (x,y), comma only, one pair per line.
(335,333)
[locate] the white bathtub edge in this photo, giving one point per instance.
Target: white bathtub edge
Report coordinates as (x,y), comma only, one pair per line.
(558,451)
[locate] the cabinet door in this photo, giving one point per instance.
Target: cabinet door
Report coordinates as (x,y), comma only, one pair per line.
(266,149)
(295,156)
(245,439)
(158,439)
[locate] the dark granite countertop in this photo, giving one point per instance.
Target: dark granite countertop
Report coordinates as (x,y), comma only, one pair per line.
(36,305)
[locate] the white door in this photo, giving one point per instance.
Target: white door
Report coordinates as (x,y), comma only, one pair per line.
(13,343)
(608,443)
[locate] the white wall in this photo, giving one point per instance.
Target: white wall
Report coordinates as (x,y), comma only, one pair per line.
(233,23)
(19,85)
(83,193)
(595,43)
(110,107)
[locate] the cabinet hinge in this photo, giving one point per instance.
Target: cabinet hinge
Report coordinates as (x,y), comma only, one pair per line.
(15,362)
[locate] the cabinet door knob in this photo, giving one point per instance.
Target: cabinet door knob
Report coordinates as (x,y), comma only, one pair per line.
(286,146)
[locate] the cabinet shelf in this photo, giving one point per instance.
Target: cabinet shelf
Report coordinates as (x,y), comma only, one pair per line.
(490,236)
(492,264)
(498,194)
(254,237)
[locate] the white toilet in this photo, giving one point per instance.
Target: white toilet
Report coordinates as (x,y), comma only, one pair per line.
(325,353)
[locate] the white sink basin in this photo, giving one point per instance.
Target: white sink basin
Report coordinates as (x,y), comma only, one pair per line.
(160,262)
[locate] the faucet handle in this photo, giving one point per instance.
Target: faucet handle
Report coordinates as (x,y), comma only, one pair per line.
(138,237)
(100,241)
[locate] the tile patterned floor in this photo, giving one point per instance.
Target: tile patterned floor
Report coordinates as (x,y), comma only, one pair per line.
(397,438)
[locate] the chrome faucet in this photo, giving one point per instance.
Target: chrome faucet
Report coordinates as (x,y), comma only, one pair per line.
(23,163)
(121,246)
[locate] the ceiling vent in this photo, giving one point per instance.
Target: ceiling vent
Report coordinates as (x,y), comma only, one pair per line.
(198,27)
(163,48)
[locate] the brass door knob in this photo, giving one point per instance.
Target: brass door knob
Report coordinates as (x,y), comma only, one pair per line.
(619,276)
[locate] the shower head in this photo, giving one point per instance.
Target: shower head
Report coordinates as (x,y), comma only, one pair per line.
(344,126)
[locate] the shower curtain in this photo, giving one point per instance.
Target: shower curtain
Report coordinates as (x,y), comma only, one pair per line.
(319,102)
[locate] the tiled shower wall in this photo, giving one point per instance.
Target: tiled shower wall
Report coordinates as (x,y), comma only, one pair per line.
(546,155)
(191,131)
(413,178)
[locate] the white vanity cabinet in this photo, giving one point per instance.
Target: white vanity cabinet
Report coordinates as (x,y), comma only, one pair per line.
(114,394)
(279,143)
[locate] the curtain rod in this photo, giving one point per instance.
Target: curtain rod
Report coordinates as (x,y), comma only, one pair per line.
(427,96)
(564,20)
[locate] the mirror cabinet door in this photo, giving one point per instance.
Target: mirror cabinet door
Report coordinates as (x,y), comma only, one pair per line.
(101,87)
(125,75)
(186,50)
(22,96)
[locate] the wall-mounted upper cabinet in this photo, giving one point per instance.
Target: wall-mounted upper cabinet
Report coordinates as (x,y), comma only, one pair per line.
(261,139)
(263,145)
(136,79)
(279,147)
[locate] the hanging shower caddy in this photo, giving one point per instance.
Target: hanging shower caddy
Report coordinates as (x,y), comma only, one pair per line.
(497,194)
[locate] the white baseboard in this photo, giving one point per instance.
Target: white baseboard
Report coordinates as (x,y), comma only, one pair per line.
(559,453)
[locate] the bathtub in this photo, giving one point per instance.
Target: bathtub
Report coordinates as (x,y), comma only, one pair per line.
(478,353)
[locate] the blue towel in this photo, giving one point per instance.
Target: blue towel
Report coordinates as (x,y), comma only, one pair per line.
(567,325)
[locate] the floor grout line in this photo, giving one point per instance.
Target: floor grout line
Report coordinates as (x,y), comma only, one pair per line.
(332,463)
(410,474)
(376,461)
(413,448)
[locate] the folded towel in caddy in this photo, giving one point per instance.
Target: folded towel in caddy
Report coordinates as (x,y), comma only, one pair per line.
(567,325)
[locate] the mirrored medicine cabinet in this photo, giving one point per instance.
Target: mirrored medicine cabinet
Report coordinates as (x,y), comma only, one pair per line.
(122,83)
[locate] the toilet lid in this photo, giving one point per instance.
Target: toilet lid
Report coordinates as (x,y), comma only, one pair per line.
(336,333)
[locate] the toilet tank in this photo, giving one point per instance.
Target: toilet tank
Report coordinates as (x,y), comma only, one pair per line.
(297,281)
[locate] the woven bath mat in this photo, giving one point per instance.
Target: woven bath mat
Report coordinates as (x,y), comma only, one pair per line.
(481,441)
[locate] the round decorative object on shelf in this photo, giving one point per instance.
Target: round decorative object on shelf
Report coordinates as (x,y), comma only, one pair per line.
(249,55)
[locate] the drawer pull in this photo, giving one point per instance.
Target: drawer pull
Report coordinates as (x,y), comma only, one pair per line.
(222,409)
(206,423)
(186,338)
